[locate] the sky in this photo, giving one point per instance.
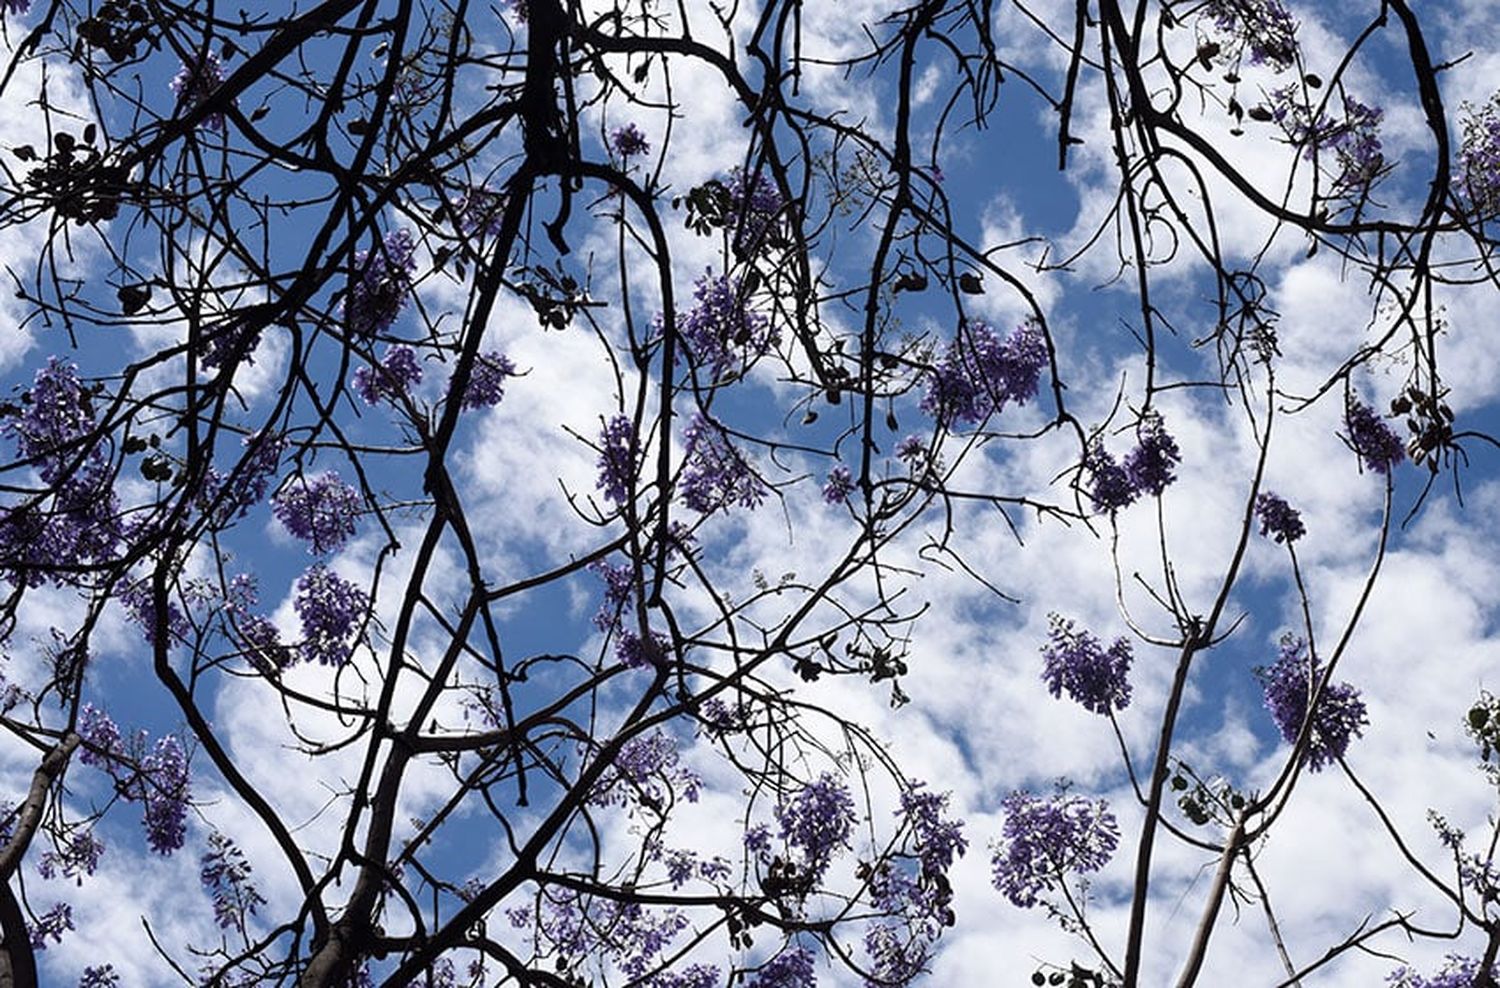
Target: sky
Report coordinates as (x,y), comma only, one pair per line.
(979,723)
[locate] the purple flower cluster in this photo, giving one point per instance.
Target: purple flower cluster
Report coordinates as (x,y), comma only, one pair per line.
(227,500)
(1264,28)
(55,420)
(487,380)
(633,652)
(159,778)
(684,865)
(916,903)
(895,959)
(72,858)
(979,372)
(165,789)
(619,459)
(817,822)
(1148,468)
(912,450)
(481,211)
(755,203)
(714,473)
(646,770)
(721,329)
(1354,139)
(139,601)
(619,585)
(1076,662)
(234,339)
(397,373)
(792,968)
(1376,444)
(1288,684)
(16,7)
(626,935)
(1458,972)
(383,282)
(330,608)
(1044,839)
(719,718)
(1278,519)
(628,141)
(51,924)
(103,745)
(319,511)
(839,486)
(103,976)
(225,875)
(1478,185)
(196,82)
(80,530)
(938,838)
(693,976)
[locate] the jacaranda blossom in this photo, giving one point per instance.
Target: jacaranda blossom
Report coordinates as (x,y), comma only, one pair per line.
(1378,446)
(1278,519)
(1046,838)
(381,286)
(979,373)
(321,511)
(1288,684)
(1076,663)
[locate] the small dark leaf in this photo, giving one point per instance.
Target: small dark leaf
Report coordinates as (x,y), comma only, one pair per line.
(641,70)
(911,282)
(358,126)
(890,421)
(64,141)
(89,133)
(1312,80)
(1231,78)
(229,50)
(381,49)
(133,298)
(134,444)
(1235,110)
(1259,113)
(970,284)
(25,152)
(1038,978)
(1478,717)
(157,468)
(259,112)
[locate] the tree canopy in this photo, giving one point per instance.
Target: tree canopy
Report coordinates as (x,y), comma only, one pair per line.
(690,495)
